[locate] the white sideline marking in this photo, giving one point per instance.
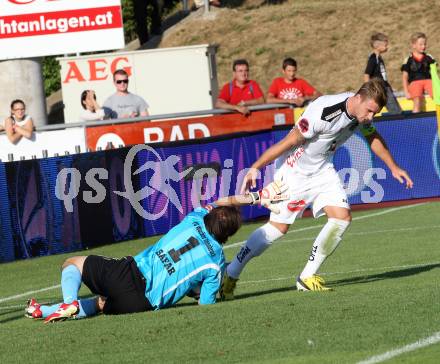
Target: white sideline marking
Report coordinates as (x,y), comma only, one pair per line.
(424,227)
(29,294)
(394,209)
(12,307)
(343,273)
(433,339)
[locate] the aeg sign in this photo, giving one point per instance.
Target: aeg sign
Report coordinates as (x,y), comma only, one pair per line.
(97,69)
(30,28)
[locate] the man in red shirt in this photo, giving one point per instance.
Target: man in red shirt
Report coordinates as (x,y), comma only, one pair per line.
(289,89)
(240,92)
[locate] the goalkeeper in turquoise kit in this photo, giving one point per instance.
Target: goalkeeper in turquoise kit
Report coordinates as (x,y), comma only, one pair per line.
(188,260)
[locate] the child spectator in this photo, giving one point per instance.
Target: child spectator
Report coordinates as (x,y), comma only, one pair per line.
(376,68)
(19,124)
(92,110)
(416,76)
(289,89)
(240,92)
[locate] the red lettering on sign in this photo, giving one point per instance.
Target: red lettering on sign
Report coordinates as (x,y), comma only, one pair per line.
(98,69)
(94,69)
(116,65)
(73,73)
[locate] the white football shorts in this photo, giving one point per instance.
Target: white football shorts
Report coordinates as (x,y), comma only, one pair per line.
(320,190)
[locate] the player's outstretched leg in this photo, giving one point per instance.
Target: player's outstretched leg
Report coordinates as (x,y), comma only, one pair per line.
(59,312)
(64,312)
(257,243)
(70,284)
(33,309)
(324,245)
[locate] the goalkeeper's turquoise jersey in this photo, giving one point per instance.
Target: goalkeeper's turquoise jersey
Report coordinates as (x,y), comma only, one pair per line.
(185,258)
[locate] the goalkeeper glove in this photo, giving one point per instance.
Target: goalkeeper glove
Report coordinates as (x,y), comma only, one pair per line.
(270,195)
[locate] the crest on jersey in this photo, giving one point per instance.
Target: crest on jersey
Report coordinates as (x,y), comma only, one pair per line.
(303,125)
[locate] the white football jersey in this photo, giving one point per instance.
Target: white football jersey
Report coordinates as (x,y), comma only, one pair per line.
(325,125)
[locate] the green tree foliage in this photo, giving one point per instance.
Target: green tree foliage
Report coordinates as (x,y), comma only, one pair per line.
(129,23)
(51,75)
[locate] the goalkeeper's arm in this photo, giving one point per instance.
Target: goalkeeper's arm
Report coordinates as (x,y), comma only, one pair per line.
(268,197)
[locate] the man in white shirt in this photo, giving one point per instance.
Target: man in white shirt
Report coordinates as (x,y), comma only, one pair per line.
(123,104)
(308,170)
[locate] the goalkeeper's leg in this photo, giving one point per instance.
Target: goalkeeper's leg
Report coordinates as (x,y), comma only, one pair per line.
(87,307)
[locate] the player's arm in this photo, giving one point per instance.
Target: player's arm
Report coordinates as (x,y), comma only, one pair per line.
(210,287)
(379,147)
(291,140)
(268,197)
(256,101)
(13,136)
(222,104)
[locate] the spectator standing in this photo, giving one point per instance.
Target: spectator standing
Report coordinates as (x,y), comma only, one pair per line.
(19,124)
(376,68)
(241,92)
(289,89)
(92,110)
(416,75)
(142,8)
(124,104)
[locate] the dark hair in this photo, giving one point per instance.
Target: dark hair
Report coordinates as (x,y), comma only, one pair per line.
(119,72)
(223,222)
(374,90)
(239,62)
(378,37)
(17,101)
(289,62)
(14,102)
(84,96)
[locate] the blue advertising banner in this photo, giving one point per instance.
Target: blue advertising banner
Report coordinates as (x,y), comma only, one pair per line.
(68,203)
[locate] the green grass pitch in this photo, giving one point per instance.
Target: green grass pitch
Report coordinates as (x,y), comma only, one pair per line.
(385,276)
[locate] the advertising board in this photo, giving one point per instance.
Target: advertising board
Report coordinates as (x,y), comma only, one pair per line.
(32,28)
(171,80)
(184,129)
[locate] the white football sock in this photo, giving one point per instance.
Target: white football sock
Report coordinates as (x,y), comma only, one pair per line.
(257,243)
(325,244)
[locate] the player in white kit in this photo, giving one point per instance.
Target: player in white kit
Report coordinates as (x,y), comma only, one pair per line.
(306,155)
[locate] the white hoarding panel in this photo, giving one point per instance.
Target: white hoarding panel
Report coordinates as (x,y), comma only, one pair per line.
(31,28)
(57,141)
(171,80)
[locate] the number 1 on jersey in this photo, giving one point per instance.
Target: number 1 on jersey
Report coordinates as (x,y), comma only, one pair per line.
(175,254)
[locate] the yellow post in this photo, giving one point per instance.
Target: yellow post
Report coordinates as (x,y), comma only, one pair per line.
(436,92)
